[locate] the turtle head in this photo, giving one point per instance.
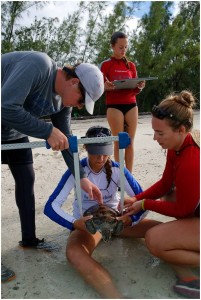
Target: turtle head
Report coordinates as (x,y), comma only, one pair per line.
(106,234)
(107,228)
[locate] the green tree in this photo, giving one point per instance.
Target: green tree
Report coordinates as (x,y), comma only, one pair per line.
(11,13)
(46,35)
(164,46)
(185,30)
(115,21)
(97,33)
(169,48)
(148,46)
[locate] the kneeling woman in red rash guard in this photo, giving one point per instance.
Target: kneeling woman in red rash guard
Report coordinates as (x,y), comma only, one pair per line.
(176,242)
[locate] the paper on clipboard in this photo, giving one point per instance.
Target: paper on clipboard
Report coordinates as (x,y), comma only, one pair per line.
(130,83)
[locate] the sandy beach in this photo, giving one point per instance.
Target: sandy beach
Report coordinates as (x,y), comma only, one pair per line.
(47,275)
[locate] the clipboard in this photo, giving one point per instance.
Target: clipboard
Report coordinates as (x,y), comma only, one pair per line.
(130,83)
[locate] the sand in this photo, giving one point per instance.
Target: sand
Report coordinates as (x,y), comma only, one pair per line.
(43,275)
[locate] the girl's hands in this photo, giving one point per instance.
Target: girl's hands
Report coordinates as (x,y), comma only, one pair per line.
(80,223)
(141,85)
(128,202)
(92,190)
(126,217)
(108,85)
(126,220)
(134,208)
(131,207)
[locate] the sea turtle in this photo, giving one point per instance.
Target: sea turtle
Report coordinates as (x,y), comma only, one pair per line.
(104,220)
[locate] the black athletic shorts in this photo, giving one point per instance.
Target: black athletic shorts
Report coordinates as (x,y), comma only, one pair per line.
(16,156)
(124,108)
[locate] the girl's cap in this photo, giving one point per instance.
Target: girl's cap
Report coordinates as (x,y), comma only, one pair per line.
(105,148)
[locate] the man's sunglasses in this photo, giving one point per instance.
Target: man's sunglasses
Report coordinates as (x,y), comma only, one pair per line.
(82,91)
(81,88)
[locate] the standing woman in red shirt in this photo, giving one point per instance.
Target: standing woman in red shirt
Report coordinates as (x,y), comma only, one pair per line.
(176,242)
(122,110)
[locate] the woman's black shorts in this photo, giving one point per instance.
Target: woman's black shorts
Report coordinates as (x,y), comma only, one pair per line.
(124,108)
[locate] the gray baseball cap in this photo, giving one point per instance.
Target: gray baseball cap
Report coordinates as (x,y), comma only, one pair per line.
(92,80)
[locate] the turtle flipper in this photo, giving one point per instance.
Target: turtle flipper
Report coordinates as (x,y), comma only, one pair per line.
(90,226)
(119,227)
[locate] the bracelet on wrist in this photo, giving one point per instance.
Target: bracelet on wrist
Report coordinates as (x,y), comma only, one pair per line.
(143,204)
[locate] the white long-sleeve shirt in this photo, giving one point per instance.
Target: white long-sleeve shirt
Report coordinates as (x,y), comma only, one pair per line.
(53,208)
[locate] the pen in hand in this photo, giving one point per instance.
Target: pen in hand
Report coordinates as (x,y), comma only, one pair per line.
(109,86)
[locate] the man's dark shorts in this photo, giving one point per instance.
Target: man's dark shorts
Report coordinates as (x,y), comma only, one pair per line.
(17,156)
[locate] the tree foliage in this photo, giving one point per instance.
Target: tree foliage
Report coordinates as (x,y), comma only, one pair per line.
(11,13)
(162,45)
(169,48)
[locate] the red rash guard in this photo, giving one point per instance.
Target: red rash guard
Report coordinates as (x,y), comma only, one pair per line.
(116,69)
(183,171)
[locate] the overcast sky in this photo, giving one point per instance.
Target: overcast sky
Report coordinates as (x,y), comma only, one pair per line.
(61,9)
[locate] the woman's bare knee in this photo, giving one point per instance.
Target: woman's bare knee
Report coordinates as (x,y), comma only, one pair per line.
(152,241)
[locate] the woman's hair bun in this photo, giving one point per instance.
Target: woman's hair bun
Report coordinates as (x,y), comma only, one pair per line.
(185,98)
